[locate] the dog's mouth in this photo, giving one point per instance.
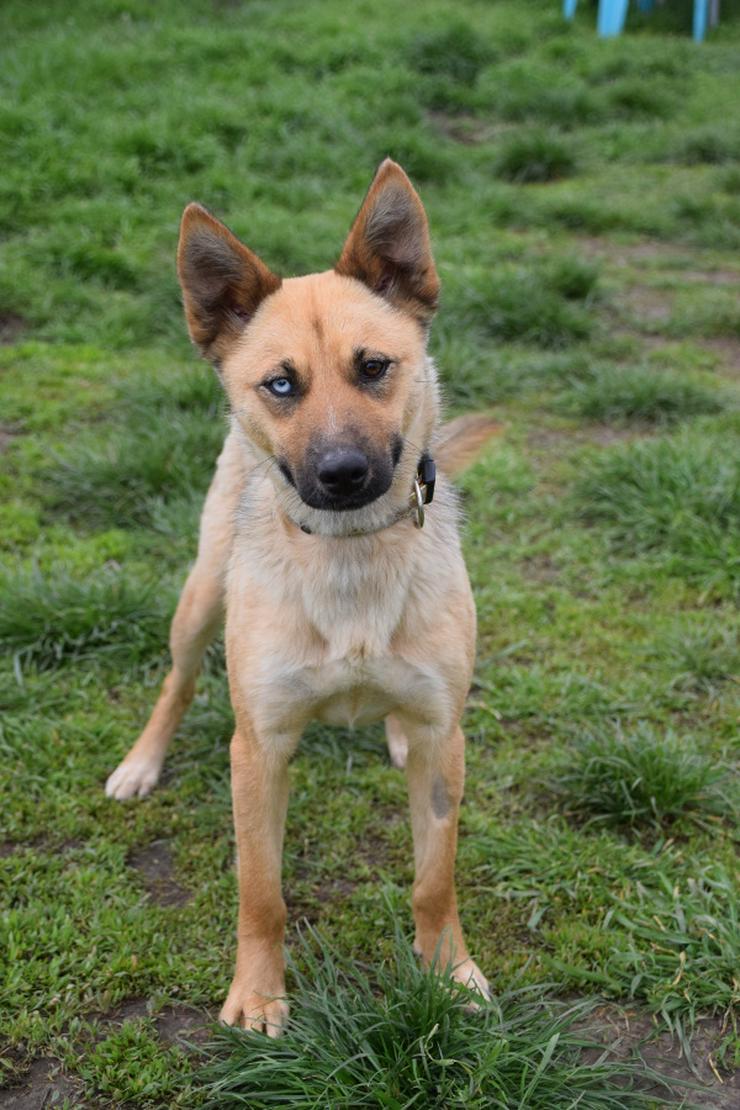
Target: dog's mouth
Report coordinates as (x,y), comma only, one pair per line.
(318,500)
(341,477)
(314,494)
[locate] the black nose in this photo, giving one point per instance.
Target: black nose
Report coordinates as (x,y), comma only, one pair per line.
(342,470)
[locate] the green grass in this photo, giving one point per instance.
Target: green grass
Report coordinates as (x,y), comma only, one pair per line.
(638,395)
(47,621)
(708,146)
(640,778)
(534,157)
(525,305)
(703,658)
(584,199)
(683,947)
(406,1038)
(676,497)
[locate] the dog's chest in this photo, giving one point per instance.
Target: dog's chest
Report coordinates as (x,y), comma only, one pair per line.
(355,605)
(331,653)
(347,691)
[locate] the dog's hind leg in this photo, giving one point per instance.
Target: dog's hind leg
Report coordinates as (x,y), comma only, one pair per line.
(197,619)
(435,780)
(398,745)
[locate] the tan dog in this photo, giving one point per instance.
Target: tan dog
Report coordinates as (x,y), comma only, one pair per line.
(339,607)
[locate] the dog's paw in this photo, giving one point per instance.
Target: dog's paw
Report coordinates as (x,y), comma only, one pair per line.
(256,1012)
(470,975)
(134,777)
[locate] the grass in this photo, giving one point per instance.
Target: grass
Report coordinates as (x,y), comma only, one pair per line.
(689,936)
(708,146)
(47,621)
(638,395)
(407,1038)
(525,305)
(703,658)
(534,157)
(640,778)
(675,496)
(564,177)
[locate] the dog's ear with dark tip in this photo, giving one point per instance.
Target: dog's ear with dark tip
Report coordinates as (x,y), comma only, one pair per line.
(223,282)
(388,246)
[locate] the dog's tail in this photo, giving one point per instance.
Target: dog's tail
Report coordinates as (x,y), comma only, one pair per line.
(459,442)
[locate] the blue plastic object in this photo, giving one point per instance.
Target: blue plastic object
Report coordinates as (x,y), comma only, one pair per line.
(701,16)
(613,13)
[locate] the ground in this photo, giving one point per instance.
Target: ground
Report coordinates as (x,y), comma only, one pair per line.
(584,199)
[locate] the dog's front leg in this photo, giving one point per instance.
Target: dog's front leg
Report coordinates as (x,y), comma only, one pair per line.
(259,782)
(436,773)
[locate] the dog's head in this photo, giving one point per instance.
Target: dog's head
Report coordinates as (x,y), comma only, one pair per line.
(326,374)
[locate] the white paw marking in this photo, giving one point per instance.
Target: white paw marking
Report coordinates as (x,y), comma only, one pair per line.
(473,978)
(132,778)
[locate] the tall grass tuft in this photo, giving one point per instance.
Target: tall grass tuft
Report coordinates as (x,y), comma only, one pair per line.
(50,619)
(409,1040)
(525,305)
(707,146)
(639,778)
(675,496)
(534,157)
(638,394)
(702,658)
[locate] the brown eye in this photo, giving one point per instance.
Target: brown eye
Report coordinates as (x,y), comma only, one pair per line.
(371,369)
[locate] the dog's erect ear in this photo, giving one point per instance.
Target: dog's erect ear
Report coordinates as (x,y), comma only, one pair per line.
(223,282)
(388,246)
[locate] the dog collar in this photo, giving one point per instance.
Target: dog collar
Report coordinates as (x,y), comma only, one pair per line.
(422,493)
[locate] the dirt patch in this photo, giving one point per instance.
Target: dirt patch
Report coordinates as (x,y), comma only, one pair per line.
(547,440)
(627,254)
(728,352)
(11,327)
(464,129)
(7,435)
(652,342)
(156,869)
(40,844)
(711,277)
(179,1025)
(174,1024)
(666,257)
(540,568)
(44,1085)
(129,1010)
(652,308)
(626,1032)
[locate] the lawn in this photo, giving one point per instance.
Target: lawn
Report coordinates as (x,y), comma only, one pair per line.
(584,199)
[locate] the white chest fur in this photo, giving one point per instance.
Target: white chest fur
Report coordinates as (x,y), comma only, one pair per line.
(330,628)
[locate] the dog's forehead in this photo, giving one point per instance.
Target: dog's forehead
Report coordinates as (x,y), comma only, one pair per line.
(327,316)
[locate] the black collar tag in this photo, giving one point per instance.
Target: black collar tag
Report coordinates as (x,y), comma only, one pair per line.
(427,472)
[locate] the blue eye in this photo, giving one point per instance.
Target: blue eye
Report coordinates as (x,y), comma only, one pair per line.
(281,387)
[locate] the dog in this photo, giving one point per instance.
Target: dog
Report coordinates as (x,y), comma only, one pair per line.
(338,605)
